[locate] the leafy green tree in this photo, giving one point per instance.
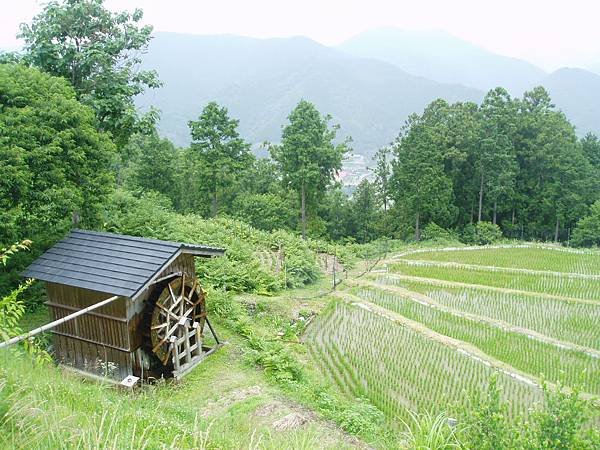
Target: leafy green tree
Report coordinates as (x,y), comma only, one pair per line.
(307,157)
(56,167)
(267,211)
(98,52)
(365,211)
(587,232)
(152,165)
(222,155)
(420,186)
(336,210)
(590,144)
(261,178)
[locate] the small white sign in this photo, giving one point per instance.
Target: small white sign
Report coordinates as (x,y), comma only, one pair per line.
(130,381)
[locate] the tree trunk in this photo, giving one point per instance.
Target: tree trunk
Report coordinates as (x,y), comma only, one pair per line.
(213,205)
(303,211)
(513,217)
(556,231)
(480,198)
(417,229)
(521,231)
(495,208)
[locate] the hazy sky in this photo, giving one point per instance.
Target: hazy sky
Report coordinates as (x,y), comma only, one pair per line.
(550,33)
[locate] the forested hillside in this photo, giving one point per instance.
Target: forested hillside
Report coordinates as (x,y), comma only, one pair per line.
(369,84)
(260,81)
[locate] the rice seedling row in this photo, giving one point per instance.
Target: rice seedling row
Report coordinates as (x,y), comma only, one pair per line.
(517,270)
(526,354)
(575,322)
(534,258)
(398,368)
(555,285)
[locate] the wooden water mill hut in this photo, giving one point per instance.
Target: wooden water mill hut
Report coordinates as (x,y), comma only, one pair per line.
(134,307)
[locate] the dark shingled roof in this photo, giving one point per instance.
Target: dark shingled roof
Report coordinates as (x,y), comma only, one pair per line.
(107,262)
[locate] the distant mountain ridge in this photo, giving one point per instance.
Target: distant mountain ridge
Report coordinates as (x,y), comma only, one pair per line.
(577,93)
(261,80)
(595,68)
(441,57)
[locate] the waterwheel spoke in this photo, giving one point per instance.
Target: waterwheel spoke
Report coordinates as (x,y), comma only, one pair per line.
(168,312)
(177,320)
(166,358)
(192,292)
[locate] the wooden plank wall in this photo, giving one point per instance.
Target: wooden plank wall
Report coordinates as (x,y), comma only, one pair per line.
(97,342)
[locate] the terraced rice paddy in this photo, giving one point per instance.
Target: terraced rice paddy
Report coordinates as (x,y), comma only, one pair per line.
(556,285)
(552,259)
(426,333)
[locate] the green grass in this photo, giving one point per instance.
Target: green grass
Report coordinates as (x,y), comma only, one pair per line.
(535,258)
(525,354)
(217,406)
(549,284)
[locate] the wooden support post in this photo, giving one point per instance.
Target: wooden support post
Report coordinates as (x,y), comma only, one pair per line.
(212,331)
(196,327)
(175,347)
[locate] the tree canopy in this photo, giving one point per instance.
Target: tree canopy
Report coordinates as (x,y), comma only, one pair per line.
(221,154)
(308,158)
(56,166)
(98,52)
(510,161)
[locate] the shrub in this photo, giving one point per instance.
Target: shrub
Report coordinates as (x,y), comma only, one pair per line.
(560,422)
(560,425)
(484,421)
(433,232)
(360,417)
(249,264)
(483,233)
(587,232)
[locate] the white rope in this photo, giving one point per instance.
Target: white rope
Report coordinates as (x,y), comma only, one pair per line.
(60,321)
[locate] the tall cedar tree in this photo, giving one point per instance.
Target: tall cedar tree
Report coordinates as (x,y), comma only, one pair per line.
(222,155)
(364,211)
(382,172)
(554,177)
(153,165)
(98,52)
(420,186)
(496,160)
(307,157)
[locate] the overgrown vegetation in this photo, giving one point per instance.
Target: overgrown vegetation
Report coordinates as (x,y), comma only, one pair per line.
(564,422)
(75,152)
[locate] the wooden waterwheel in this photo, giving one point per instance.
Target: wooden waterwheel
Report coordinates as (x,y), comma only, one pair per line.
(177,324)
